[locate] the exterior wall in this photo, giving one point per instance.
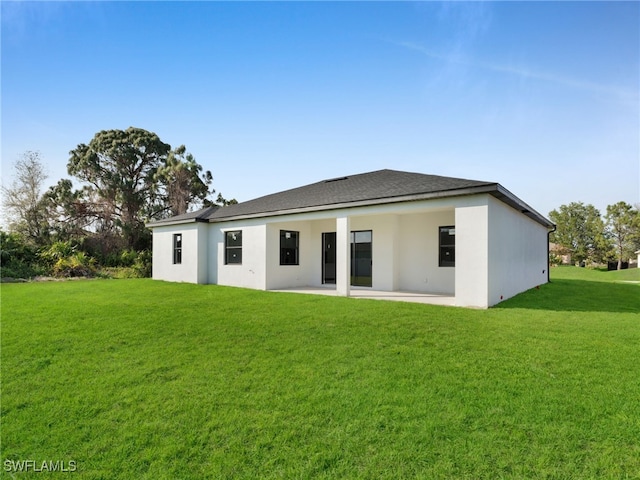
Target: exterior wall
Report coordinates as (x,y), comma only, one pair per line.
(289,276)
(518,258)
(194,268)
(251,273)
(472,246)
(418,253)
(404,256)
(499,251)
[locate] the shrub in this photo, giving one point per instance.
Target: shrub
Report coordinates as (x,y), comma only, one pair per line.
(142,264)
(78,264)
(58,251)
(66,261)
(128,258)
(140,267)
(19,259)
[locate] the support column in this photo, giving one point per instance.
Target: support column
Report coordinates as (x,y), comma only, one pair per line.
(343,256)
(472,252)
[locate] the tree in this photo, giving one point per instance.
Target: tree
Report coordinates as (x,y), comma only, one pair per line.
(223,202)
(120,166)
(22,199)
(580,232)
(68,212)
(180,179)
(623,227)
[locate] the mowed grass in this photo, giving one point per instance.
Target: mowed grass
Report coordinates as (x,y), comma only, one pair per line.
(153,380)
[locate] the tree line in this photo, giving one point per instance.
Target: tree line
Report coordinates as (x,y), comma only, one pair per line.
(125,179)
(588,237)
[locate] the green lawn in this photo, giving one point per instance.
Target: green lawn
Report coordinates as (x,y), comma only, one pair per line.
(138,379)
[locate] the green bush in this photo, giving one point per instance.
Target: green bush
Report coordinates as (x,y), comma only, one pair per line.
(140,267)
(142,264)
(58,251)
(78,264)
(21,269)
(67,259)
(19,259)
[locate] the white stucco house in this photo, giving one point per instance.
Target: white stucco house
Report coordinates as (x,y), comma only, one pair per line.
(386,230)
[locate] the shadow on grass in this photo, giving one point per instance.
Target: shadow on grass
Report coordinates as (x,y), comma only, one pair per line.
(580,296)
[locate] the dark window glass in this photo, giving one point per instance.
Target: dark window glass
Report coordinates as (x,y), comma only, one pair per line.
(329,257)
(289,248)
(177,248)
(447,247)
(361,258)
(233,247)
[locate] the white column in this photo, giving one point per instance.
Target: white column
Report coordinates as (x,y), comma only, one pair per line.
(472,252)
(343,256)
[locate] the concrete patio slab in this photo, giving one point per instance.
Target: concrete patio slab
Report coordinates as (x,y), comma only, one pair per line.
(414,297)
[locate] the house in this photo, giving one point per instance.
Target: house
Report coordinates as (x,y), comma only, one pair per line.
(561,253)
(385,230)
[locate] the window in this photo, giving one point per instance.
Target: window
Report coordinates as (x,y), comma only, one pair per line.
(233,247)
(289,248)
(447,248)
(177,248)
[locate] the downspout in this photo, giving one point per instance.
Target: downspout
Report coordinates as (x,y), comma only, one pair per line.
(555,227)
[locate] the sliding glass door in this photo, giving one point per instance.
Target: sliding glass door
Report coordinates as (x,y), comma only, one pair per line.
(361,258)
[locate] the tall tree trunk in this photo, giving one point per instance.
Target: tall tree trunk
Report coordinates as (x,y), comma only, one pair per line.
(620,258)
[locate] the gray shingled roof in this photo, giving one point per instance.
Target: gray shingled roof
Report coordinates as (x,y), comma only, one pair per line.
(201,215)
(381,184)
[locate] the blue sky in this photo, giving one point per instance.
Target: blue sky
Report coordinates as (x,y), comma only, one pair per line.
(542,97)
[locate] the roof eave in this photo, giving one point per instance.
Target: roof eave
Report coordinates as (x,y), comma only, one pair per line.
(168,222)
(510,199)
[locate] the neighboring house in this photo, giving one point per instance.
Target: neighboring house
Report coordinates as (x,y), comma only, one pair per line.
(560,252)
(385,230)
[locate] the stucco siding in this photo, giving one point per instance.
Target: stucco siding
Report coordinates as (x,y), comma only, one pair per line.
(418,253)
(472,237)
(517,254)
(288,276)
(203,252)
(251,273)
(499,251)
(193,267)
